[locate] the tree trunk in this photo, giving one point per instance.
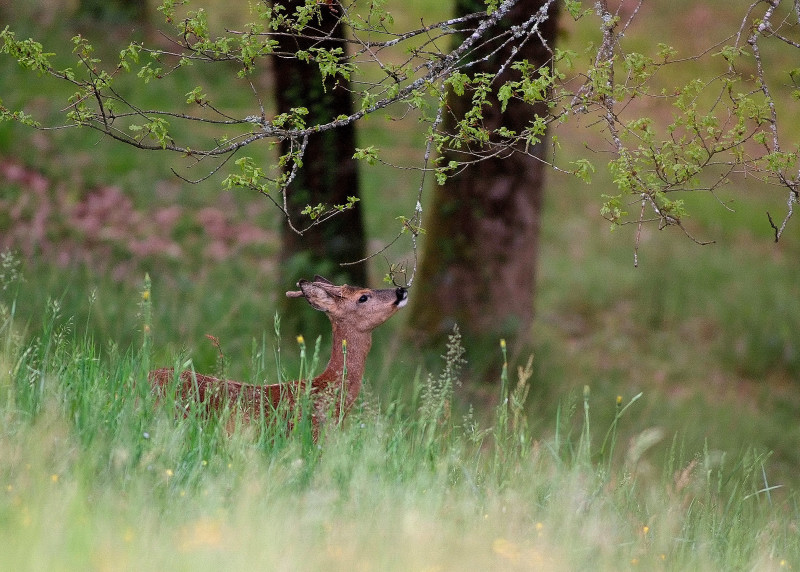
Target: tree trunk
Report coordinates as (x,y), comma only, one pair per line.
(481,246)
(329,174)
(114,11)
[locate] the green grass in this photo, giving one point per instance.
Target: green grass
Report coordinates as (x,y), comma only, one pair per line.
(96,475)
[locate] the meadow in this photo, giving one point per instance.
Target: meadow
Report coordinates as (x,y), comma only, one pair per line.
(655,426)
(96,475)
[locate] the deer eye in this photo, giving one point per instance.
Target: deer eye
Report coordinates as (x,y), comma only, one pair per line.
(363,299)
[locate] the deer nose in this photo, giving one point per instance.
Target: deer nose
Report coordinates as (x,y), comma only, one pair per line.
(402,296)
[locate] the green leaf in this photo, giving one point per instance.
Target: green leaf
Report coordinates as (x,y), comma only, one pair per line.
(196,96)
(457,82)
(504,94)
(583,169)
(612,209)
(368,154)
(28,53)
(574,8)
(313,212)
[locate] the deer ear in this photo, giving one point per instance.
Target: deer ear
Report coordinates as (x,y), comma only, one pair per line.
(318,278)
(321,295)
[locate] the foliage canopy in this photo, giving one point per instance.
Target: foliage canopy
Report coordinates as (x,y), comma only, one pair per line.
(727,121)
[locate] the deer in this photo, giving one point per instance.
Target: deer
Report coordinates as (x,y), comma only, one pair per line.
(353,312)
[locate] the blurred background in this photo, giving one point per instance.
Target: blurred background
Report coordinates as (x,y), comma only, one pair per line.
(710,334)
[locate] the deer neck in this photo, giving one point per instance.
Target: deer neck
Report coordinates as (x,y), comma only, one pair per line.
(358,346)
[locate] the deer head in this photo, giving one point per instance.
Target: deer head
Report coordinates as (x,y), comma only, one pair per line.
(353,310)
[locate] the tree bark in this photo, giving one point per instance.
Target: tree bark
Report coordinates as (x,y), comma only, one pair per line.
(329,173)
(114,11)
(481,247)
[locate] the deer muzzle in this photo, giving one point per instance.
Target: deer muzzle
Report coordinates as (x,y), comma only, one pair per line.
(402,297)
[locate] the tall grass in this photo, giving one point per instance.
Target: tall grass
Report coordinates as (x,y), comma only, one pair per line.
(97,475)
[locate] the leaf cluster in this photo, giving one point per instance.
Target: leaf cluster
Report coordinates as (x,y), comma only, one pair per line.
(726,122)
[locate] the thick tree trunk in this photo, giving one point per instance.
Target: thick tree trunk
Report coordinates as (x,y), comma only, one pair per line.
(481,247)
(114,11)
(329,174)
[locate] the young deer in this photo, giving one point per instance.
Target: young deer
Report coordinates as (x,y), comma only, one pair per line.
(353,312)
